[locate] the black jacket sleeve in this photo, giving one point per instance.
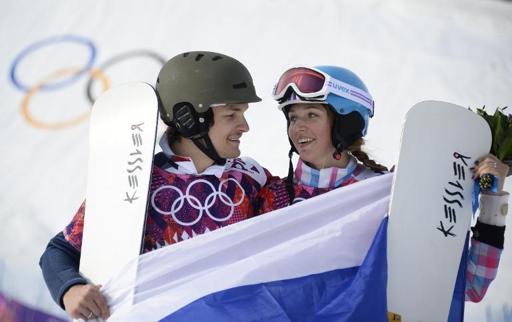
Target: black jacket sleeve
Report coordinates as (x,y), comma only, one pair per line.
(60,262)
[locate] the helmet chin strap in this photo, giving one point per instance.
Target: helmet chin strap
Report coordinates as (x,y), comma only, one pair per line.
(195,126)
(204,143)
(289,179)
(342,143)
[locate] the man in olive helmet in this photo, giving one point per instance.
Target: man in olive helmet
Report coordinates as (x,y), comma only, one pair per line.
(198,183)
(203,97)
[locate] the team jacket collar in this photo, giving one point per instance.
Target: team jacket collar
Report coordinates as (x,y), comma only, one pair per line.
(323,178)
(186,165)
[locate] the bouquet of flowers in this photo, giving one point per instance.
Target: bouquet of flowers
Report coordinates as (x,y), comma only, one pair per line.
(501,130)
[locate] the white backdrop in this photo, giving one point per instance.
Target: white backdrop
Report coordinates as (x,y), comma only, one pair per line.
(406,51)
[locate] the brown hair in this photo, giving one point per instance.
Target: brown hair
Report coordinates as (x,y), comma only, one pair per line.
(361,156)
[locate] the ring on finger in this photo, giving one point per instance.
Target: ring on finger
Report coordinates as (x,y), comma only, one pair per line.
(494,165)
(89,316)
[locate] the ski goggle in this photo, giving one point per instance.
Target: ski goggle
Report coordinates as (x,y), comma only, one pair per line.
(312,84)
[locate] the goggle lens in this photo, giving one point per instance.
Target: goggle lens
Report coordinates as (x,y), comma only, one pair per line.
(307,80)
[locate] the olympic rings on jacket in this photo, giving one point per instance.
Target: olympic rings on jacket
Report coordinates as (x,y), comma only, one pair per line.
(50,41)
(25,111)
(195,203)
(119,58)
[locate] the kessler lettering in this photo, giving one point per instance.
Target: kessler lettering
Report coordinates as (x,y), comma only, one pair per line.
(453,195)
(133,161)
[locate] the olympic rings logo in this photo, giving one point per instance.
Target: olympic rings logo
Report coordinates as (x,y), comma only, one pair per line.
(65,76)
(195,203)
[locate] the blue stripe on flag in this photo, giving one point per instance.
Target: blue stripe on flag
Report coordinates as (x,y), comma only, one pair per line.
(459,293)
(352,294)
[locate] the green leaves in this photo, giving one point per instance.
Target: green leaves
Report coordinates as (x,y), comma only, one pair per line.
(501,129)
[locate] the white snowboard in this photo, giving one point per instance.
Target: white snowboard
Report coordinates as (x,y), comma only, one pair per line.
(121,145)
(431,207)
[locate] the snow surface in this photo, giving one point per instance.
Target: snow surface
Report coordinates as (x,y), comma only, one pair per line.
(406,51)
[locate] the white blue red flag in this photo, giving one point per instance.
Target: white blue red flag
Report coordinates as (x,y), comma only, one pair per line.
(323,259)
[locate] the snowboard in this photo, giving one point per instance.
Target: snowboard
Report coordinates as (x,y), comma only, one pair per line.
(122,137)
(431,207)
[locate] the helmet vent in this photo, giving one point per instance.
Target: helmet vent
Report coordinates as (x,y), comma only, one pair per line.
(186,54)
(216,58)
(199,56)
(240,85)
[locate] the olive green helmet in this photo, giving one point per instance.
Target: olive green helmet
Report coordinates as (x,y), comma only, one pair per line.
(202,79)
(190,84)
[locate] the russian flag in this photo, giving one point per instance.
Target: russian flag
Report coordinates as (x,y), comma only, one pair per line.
(323,259)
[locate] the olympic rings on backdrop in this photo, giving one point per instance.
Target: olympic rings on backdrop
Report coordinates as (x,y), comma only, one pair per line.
(51,82)
(195,203)
(119,58)
(50,41)
(25,112)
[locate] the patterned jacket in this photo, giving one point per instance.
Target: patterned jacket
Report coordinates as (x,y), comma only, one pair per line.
(183,204)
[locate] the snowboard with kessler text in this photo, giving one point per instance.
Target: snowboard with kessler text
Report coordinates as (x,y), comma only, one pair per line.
(122,137)
(431,207)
